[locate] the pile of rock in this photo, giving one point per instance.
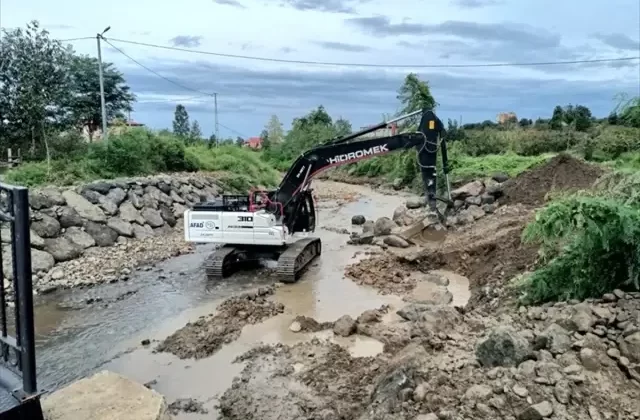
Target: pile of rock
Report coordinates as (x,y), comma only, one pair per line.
(475,199)
(67,223)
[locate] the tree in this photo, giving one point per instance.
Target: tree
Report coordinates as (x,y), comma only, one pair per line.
(582,118)
(275,130)
(557,118)
(524,122)
(84,102)
(266,141)
(414,95)
(34,81)
(239,141)
(195,133)
(342,127)
(181,121)
(613,118)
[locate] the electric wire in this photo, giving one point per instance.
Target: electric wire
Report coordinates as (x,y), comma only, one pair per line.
(345,64)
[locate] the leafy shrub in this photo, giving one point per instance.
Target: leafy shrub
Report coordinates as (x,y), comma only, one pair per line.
(591,245)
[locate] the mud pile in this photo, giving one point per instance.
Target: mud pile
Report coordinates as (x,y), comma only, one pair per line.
(205,336)
(567,361)
(561,173)
(385,273)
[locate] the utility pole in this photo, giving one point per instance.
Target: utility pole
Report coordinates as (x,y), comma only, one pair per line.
(215,102)
(102,104)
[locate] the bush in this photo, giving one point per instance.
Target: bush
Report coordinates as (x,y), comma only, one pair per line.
(141,152)
(591,245)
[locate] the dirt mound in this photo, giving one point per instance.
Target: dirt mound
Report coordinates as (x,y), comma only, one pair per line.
(386,273)
(565,362)
(205,336)
(561,173)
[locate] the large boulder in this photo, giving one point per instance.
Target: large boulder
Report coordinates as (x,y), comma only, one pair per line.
(503,346)
(103,396)
(84,208)
(383,226)
(46,226)
(103,235)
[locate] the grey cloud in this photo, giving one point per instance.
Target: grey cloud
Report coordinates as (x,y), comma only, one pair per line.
(187,41)
(233,3)
(287,50)
(332,6)
(618,41)
(341,46)
(475,4)
(372,91)
(382,26)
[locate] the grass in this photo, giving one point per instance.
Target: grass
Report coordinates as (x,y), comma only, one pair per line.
(141,152)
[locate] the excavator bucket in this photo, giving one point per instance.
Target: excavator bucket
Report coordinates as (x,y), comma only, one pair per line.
(429,230)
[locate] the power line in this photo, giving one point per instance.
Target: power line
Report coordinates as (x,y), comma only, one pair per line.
(329,63)
(155,72)
(232,130)
(76,39)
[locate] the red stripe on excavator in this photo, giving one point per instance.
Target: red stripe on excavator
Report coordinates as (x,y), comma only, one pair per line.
(340,163)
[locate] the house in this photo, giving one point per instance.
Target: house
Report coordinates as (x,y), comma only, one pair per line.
(389,130)
(115,127)
(506,117)
(253,142)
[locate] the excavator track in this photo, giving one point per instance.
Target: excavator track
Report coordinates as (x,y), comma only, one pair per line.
(297,257)
(222,262)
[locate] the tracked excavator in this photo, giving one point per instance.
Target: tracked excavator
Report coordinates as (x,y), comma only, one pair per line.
(277,225)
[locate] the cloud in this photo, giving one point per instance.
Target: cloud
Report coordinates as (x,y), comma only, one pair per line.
(59,26)
(187,41)
(287,50)
(475,4)
(618,41)
(507,33)
(360,95)
(233,3)
(331,6)
(341,46)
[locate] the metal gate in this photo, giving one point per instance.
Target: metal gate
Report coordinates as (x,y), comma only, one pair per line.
(17,350)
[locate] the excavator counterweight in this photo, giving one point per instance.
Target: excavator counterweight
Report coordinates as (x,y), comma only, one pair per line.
(277,224)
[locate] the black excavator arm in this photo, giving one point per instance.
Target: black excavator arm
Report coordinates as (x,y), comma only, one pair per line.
(295,201)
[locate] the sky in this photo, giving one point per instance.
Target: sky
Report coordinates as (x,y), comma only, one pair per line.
(392,37)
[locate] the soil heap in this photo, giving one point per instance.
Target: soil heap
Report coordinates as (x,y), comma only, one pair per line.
(561,173)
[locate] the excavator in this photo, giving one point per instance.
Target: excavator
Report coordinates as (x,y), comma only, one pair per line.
(277,224)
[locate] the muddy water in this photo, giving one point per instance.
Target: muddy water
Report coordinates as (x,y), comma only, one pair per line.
(154,303)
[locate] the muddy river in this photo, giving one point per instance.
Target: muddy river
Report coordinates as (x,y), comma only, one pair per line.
(73,342)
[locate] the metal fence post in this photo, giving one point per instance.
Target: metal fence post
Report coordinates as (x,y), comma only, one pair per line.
(26,333)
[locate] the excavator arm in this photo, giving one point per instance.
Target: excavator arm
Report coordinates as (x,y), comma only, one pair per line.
(295,201)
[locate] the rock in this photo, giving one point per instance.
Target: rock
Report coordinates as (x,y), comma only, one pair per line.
(62,248)
(105,395)
(117,196)
(520,391)
(41,261)
(358,219)
(478,392)
(79,237)
(175,197)
(142,232)
(414,203)
(110,208)
(178,210)
(430,416)
(369,316)
(537,412)
(36,240)
(630,347)
(295,327)
(397,184)
(103,235)
(581,319)
(83,207)
(167,215)
(562,392)
(500,177)
(344,326)
(130,214)
(383,226)
(396,241)
(68,217)
(554,338)
(473,200)
(589,360)
(495,190)
(487,199)
(471,213)
(368,226)
(101,187)
(471,189)
(152,217)
(57,273)
(45,199)
(502,347)
(122,227)
(46,226)
(135,200)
